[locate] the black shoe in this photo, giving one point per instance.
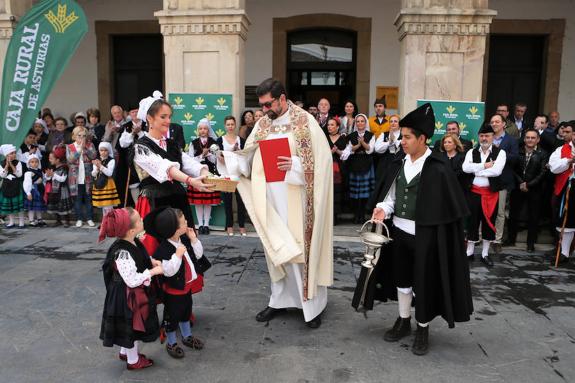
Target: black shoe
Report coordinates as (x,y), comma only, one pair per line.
(315,322)
(267,314)
(471,258)
(530,248)
(563,260)
(206,230)
(421,341)
(400,329)
(487,261)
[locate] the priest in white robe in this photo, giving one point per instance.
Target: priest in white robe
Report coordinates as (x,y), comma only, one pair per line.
(294,217)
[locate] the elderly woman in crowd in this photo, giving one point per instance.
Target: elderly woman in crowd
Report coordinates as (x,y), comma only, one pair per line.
(59,135)
(79,156)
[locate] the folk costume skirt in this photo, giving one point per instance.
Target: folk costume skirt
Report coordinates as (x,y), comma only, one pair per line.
(107,196)
(361,185)
(37,203)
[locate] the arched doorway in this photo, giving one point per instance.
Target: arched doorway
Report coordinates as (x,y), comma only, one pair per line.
(331,24)
(321,63)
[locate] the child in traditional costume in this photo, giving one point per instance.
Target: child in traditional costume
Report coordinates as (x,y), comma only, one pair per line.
(11,197)
(59,200)
(181,254)
(34,190)
(129,309)
(200,150)
(104,193)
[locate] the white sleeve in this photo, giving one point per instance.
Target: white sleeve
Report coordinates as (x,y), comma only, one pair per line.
(346,152)
(558,165)
(198,249)
(128,271)
(172,266)
(497,167)
(60,177)
(18,170)
(388,204)
(235,165)
(126,139)
(153,164)
(109,169)
(381,145)
(3,173)
(295,176)
(371,145)
(94,171)
(469,166)
(191,166)
(27,185)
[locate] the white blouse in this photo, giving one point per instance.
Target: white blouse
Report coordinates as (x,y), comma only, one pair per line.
(108,170)
(4,173)
(129,272)
(158,167)
(27,185)
(172,266)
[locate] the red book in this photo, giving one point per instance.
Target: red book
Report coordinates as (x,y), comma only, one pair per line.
(271,150)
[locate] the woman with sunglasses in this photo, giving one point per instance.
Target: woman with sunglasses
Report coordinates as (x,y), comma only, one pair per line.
(79,155)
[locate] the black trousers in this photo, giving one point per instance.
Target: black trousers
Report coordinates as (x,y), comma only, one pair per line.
(228,205)
(477,217)
(403,257)
(534,201)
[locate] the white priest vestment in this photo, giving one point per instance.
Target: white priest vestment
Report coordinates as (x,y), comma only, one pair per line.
(293,218)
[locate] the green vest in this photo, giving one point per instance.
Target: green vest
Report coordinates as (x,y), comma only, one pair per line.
(406,196)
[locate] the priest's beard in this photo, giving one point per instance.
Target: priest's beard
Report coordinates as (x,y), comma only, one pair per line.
(272,115)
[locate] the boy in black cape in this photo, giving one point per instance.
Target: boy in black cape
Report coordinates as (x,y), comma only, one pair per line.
(181,254)
(427,256)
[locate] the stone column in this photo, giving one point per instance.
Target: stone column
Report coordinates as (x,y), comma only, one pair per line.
(10,12)
(442,50)
(204,47)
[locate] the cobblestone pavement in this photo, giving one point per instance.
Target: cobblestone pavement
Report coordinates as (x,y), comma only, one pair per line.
(52,292)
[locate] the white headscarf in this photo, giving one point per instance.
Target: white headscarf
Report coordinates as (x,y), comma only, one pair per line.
(43,123)
(108,147)
(145,104)
(7,149)
(366,123)
(29,156)
(211,133)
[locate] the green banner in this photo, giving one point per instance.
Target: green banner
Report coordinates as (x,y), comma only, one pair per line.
(189,108)
(41,46)
(468,114)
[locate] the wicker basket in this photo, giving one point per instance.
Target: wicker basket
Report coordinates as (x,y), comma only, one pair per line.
(222,184)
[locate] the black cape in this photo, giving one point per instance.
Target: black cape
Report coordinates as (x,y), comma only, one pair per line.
(441,270)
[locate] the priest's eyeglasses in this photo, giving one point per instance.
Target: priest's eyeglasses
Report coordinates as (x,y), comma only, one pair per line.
(267,104)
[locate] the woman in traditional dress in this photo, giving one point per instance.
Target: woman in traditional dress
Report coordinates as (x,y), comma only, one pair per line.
(162,167)
(200,150)
(360,165)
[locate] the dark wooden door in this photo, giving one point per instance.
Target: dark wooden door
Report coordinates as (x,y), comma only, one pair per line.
(515,72)
(138,67)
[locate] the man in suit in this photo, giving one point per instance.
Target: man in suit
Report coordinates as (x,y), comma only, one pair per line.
(176,133)
(530,173)
(323,115)
(520,118)
(546,134)
(453,128)
(510,127)
(505,142)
